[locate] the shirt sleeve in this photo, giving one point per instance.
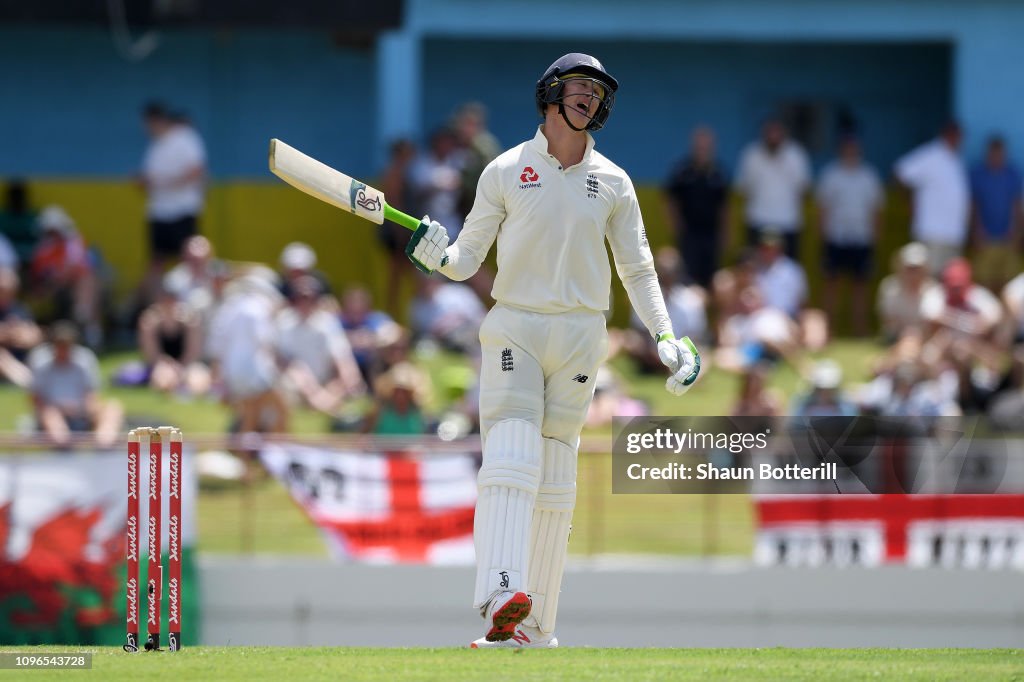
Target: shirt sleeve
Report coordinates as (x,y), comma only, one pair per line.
(634,263)
(480,229)
(911,168)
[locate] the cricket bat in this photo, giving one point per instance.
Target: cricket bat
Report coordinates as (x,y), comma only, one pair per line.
(334,187)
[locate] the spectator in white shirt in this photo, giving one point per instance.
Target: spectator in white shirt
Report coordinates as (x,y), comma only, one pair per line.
(242,343)
(192,278)
(942,198)
(900,294)
(173,176)
(963,333)
(960,305)
(780,279)
(773,175)
(312,348)
(757,333)
(849,197)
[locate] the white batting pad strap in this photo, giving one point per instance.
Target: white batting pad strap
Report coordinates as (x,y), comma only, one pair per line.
(518,475)
(549,532)
(508,482)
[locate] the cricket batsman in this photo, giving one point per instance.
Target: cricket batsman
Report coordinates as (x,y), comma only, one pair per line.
(551,202)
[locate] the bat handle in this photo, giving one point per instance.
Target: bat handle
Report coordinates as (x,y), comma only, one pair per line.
(403,219)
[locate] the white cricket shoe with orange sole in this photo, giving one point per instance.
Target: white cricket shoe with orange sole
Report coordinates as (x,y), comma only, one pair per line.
(523,637)
(505,612)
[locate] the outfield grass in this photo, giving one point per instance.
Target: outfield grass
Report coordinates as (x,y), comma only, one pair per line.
(288,663)
(261,517)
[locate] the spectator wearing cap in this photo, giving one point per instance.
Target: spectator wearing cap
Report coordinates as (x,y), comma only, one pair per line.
(941,196)
(399,397)
(901,293)
(849,200)
(198,281)
(317,362)
(825,397)
(192,278)
(173,176)
(298,260)
(997,228)
(65,390)
(773,175)
(62,269)
(696,191)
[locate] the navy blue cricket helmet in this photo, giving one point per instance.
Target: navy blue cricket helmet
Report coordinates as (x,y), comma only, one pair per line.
(551,85)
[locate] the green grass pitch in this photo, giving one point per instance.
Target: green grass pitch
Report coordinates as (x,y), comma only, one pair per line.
(340,663)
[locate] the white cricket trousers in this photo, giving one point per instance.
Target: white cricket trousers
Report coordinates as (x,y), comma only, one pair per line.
(540,368)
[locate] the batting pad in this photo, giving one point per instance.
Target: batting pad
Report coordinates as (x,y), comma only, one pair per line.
(549,532)
(507,485)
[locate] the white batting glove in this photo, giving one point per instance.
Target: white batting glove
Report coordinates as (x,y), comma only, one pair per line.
(682,359)
(426,248)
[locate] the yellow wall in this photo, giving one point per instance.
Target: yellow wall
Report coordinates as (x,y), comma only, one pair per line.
(252,221)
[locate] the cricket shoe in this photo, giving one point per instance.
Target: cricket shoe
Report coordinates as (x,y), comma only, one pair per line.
(505,611)
(523,637)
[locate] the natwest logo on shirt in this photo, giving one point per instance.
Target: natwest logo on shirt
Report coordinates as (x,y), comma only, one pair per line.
(529,175)
(529,178)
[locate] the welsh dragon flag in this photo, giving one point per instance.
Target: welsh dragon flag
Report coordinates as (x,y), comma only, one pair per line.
(62,548)
(389,507)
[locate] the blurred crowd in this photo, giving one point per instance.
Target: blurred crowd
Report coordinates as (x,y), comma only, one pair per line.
(949,305)
(267,339)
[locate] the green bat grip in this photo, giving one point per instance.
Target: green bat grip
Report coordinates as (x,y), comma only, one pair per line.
(403,219)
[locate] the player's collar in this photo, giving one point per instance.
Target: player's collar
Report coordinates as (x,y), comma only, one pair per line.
(540,143)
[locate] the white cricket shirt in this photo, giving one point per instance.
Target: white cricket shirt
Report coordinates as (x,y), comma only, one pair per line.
(551,224)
